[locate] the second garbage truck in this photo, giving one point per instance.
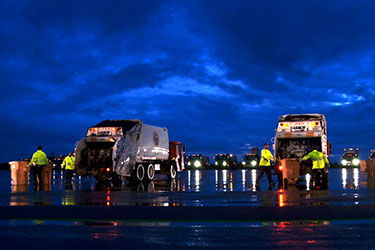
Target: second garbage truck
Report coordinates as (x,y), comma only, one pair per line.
(128,149)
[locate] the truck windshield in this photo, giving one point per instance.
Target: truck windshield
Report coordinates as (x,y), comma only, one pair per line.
(297,147)
(220,157)
(192,158)
(250,157)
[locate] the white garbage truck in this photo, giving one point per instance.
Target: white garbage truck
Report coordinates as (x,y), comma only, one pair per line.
(128,149)
(296,136)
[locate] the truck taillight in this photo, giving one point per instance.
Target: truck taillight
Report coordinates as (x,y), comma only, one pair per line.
(108,169)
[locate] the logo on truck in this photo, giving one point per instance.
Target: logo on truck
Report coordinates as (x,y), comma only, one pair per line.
(155,138)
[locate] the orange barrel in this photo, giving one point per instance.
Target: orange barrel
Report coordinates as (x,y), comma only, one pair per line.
(19,172)
(291,170)
(363,165)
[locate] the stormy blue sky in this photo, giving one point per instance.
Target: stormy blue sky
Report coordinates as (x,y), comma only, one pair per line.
(217,74)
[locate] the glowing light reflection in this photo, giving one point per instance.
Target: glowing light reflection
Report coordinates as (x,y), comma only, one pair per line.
(344,175)
(356,178)
(253,179)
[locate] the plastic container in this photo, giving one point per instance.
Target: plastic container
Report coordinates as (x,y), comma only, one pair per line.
(19,173)
(291,171)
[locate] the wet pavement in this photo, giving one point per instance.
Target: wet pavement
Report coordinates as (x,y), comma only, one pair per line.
(201,209)
(192,188)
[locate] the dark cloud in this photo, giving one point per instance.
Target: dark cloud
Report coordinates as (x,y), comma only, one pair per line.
(216,73)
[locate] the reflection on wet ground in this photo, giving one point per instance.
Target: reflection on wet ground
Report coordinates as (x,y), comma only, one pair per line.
(193,188)
(214,191)
(138,235)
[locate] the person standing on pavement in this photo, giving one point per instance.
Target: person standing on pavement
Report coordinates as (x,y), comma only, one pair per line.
(38,162)
(68,165)
(320,163)
(265,166)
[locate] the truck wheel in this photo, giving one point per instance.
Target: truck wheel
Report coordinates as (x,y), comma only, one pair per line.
(140,187)
(150,172)
(140,172)
(172,172)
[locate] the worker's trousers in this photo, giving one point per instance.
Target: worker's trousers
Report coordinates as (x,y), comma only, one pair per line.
(37,176)
(263,169)
(68,176)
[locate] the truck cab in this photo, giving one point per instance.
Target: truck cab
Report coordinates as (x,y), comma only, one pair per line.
(252,159)
(225,161)
(198,161)
(350,158)
(177,155)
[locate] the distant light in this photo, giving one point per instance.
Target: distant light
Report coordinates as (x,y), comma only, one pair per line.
(243,163)
(344,162)
(356,162)
(281,167)
(216,163)
(224,163)
(189,163)
(108,169)
(253,163)
(197,164)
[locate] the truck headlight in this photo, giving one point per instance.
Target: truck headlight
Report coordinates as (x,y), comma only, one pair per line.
(356,162)
(189,163)
(224,163)
(253,163)
(344,162)
(216,163)
(197,164)
(243,163)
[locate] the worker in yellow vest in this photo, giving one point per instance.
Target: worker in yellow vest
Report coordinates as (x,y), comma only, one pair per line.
(265,166)
(68,165)
(320,164)
(38,162)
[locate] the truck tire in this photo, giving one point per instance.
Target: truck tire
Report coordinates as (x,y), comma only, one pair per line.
(172,172)
(140,187)
(140,172)
(150,172)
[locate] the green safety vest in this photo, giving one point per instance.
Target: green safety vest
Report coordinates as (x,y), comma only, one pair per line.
(68,163)
(39,157)
(318,159)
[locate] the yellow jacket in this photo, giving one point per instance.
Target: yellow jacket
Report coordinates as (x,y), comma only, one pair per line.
(39,158)
(266,156)
(318,158)
(68,163)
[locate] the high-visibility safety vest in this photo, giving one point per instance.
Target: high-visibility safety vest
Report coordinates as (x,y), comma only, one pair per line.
(39,158)
(266,157)
(318,159)
(68,163)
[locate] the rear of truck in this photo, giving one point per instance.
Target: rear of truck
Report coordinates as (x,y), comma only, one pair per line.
(296,136)
(94,152)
